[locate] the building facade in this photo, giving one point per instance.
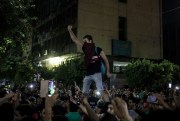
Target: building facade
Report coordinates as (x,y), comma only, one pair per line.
(124,29)
(134,21)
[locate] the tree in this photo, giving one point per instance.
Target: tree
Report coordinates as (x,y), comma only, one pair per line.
(15,33)
(145,73)
(163,73)
(176,74)
(138,73)
(70,71)
(46,74)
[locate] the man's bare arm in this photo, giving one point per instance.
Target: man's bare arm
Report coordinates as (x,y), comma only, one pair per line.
(74,37)
(121,109)
(6,98)
(162,102)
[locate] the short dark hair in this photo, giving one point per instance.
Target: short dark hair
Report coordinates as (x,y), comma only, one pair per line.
(89,37)
(25,109)
(73,107)
(58,110)
(6,109)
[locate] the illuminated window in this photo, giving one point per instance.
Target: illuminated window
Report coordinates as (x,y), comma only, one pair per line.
(119,67)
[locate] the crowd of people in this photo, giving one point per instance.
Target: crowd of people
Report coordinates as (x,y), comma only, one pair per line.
(123,104)
(74,104)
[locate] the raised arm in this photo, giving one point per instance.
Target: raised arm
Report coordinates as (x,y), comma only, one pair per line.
(82,107)
(162,102)
(103,56)
(49,102)
(121,109)
(74,37)
(6,98)
(92,115)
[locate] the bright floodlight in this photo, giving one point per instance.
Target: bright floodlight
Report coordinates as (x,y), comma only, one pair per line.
(58,60)
(55,60)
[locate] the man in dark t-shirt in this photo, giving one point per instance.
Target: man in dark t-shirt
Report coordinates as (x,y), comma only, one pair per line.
(91,61)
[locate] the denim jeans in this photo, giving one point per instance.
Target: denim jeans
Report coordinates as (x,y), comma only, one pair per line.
(87,81)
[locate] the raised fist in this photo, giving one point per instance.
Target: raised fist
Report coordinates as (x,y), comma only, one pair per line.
(69,27)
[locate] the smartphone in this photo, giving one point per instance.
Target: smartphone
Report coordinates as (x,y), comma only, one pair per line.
(51,87)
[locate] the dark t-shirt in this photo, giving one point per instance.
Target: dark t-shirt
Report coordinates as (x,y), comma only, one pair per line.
(93,66)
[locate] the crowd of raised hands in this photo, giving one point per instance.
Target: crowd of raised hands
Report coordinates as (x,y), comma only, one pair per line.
(119,104)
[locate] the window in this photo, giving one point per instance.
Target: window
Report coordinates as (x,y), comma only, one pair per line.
(122,28)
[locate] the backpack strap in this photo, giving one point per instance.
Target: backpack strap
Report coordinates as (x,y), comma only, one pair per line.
(96,51)
(103,68)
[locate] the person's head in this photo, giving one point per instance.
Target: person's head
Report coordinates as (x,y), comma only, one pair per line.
(109,117)
(58,110)
(88,39)
(23,110)
(73,107)
(131,104)
(110,109)
(104,107)
(6,112)
(99,107)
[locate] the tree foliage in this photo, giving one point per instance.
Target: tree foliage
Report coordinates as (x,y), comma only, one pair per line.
(146,73)
(176,74)
(46,74)
(70,71)
(138,73)
(15,32)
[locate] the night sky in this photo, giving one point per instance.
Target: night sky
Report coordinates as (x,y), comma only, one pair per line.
(171,11)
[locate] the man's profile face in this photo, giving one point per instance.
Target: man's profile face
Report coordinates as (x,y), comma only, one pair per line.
(87,40)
